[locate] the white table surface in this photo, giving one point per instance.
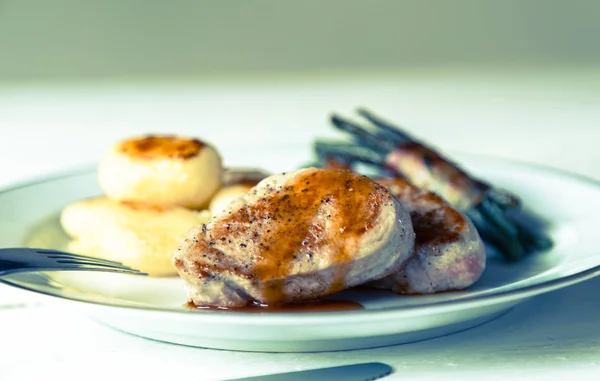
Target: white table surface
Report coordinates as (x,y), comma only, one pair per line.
(548,119)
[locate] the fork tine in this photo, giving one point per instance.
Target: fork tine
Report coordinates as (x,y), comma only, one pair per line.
(84,258)
(21,259)
(121,270)
(77,259)
(63,255)
(93,263)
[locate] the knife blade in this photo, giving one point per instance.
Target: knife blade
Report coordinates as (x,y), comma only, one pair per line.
(356,372)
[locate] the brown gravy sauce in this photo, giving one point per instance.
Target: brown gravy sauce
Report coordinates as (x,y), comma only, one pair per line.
(159,147)
(316,306)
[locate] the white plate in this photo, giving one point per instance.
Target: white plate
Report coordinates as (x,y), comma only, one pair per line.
(154,308)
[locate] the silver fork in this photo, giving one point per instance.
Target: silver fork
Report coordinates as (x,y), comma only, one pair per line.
(20,259)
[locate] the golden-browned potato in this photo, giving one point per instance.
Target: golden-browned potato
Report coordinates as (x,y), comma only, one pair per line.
(166,170)
(139,235)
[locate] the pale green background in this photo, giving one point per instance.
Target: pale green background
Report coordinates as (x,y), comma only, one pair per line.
(66,40)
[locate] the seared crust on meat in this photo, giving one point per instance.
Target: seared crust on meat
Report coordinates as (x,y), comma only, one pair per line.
(449,254)
(296,237)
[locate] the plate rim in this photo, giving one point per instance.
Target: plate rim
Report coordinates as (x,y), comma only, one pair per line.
(519,293)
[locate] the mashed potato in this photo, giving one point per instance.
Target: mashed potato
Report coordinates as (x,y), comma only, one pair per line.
(142,236)
(166,170)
